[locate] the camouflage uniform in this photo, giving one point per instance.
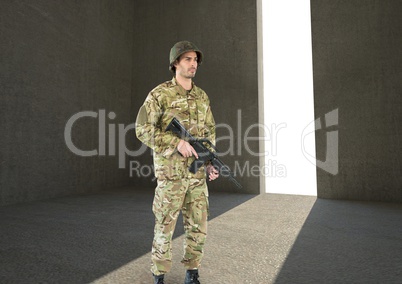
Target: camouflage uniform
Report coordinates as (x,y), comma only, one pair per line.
(177,188)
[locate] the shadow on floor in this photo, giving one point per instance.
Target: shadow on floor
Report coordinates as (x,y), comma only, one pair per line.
(347,242)
(80,238)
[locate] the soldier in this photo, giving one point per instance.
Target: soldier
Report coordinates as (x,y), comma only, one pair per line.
(177,188)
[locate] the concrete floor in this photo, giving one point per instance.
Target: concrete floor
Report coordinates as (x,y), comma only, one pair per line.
(106,238)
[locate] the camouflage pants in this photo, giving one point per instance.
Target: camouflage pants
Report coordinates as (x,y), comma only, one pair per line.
(191,197)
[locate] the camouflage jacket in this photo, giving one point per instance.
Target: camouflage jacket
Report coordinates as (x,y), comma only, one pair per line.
(192,109)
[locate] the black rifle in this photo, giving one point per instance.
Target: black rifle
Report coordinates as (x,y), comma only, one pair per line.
(204,154)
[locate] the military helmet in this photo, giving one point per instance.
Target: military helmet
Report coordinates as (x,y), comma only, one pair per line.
(180,48)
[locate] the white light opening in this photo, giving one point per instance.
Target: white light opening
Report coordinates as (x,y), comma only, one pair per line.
(287,96)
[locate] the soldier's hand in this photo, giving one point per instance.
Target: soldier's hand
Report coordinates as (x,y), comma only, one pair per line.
(212,172)
(186,150)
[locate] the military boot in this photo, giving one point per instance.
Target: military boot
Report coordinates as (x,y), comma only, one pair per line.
(192,277)
(159,279)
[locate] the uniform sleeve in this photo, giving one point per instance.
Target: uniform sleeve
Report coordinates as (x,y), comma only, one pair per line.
(149,131)
(210,126)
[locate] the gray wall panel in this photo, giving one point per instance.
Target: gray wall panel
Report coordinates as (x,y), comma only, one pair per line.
(59,58)
(357,68)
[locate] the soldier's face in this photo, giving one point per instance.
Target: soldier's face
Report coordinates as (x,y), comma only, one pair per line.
(187,65)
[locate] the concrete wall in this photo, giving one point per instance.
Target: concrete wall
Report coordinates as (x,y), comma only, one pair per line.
(59,58)
(226,31)
(357,59)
